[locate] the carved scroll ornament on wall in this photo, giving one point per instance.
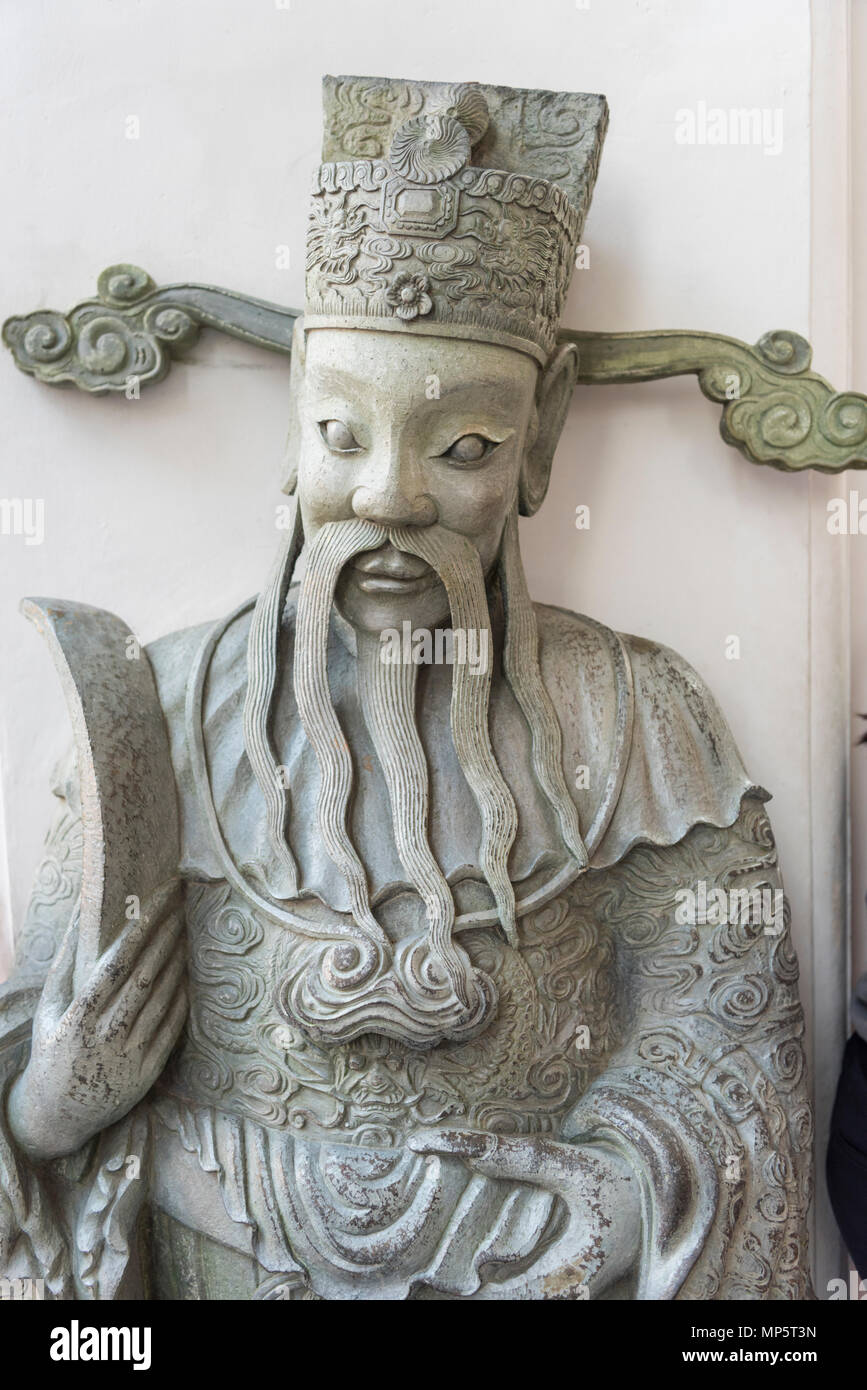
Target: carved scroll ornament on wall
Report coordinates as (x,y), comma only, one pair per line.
(775,409)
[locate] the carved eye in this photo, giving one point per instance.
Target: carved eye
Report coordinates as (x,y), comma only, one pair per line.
(470,448)
(338,436)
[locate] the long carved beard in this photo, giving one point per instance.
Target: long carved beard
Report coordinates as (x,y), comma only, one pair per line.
(425,989)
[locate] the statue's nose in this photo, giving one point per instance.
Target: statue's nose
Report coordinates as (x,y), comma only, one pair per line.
(394,496)
(378,1079)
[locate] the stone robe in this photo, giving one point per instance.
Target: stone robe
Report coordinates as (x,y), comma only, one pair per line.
(265,1165)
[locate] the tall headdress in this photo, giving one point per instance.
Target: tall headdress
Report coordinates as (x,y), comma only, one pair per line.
(453,210)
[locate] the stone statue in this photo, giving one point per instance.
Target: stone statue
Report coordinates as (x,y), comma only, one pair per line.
(398,937)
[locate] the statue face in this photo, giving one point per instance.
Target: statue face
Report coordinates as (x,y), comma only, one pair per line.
(410,432)
(411,456)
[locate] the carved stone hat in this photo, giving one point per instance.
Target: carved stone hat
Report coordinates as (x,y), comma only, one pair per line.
(453,210)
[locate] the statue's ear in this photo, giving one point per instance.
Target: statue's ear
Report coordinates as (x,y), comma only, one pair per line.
(289,479)
(553,394)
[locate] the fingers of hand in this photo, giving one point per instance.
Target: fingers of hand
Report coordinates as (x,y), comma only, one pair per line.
(150,935)
(153,1007)
(149,987)
(164,1040)
(168,940)
(139,1068)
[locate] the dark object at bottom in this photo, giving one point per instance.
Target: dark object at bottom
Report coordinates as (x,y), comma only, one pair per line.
(847,1152)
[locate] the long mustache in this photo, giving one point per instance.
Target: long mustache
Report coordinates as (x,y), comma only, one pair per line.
(387,691)
(457,563)
(335,544)
(259,699)
(354,980)
(432,988)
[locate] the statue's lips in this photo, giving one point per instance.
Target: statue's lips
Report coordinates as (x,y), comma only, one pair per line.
(392,571)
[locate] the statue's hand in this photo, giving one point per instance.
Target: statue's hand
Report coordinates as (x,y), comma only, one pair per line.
(600,1191)
(95,1055)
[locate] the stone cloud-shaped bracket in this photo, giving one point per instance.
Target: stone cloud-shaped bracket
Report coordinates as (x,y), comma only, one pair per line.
(775,409)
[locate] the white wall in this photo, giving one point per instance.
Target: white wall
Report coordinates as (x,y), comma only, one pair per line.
(162,509)
(858,483)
